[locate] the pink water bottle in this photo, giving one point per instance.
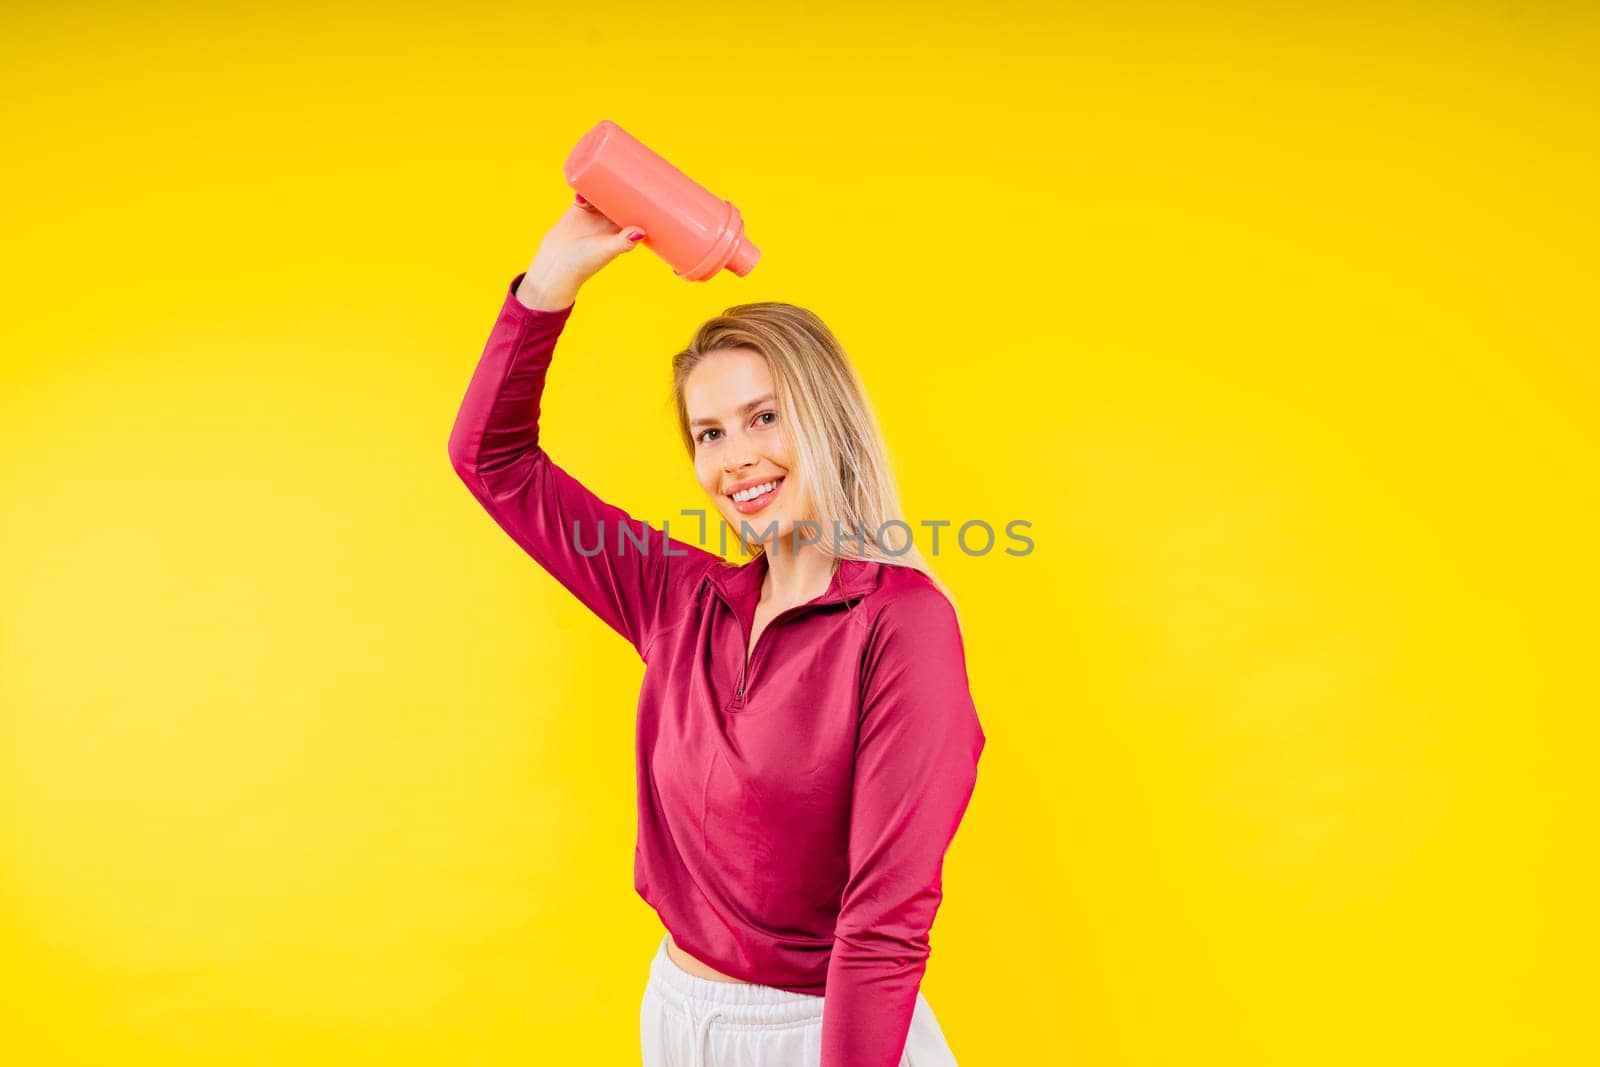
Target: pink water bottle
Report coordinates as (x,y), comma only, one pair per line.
(695,231)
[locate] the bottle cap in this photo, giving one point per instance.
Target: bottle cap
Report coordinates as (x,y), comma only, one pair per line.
(744,257)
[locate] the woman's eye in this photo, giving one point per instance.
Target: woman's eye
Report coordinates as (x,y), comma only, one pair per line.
(772,416)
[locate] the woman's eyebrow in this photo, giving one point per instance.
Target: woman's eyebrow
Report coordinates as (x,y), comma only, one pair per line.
(757,402)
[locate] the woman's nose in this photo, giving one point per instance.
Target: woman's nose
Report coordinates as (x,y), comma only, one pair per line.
(739,455)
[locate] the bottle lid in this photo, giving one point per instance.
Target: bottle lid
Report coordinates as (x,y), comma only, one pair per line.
(744,257)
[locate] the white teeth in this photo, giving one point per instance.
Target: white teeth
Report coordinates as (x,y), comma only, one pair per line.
(754,491)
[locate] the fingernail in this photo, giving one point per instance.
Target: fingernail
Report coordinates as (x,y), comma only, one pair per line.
(578,199)
(635,236)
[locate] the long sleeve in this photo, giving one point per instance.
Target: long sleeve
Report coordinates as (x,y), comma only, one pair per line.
(630,574)
(915,769)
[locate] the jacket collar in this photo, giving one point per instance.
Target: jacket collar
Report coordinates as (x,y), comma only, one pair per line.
(740,584)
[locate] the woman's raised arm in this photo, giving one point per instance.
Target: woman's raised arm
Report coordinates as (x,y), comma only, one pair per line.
(632,575)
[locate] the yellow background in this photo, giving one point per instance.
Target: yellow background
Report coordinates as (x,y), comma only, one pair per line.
(1278,325)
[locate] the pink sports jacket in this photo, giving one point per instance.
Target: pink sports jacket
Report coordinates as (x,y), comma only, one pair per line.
(795,809)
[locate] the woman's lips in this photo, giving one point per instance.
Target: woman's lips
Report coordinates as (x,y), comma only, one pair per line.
(750,507)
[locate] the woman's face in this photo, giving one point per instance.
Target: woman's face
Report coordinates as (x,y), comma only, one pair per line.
(740,442)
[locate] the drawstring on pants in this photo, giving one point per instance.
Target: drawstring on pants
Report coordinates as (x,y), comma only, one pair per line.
(702,1031)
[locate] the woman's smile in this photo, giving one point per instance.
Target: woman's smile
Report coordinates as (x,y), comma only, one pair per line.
(750,507)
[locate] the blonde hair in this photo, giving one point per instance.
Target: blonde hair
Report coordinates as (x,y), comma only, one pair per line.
(838,446)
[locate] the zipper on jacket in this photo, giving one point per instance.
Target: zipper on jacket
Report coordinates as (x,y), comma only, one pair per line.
(747,668)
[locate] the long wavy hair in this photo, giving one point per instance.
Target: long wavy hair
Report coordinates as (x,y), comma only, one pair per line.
(831,429)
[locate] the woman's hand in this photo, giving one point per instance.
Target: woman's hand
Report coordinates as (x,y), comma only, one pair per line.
(577,246)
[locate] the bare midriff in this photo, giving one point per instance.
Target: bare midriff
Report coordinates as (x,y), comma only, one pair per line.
(694,966)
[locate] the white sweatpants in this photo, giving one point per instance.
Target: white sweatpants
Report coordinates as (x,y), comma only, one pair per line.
(688,1021)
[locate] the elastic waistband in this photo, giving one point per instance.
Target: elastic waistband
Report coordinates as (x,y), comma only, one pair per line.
(737,1003)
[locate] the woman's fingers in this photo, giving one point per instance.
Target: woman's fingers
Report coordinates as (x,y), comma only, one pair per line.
(581,202)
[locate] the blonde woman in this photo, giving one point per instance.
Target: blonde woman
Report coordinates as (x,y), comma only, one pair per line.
(807,742)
